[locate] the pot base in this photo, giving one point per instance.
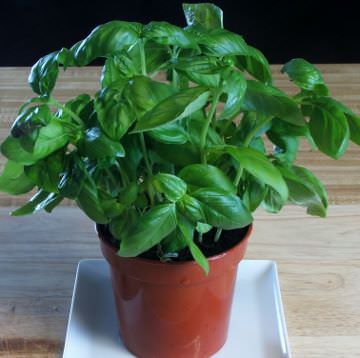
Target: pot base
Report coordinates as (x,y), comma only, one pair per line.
(257,324)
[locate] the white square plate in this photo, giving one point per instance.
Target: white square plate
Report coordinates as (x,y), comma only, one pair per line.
(257,327)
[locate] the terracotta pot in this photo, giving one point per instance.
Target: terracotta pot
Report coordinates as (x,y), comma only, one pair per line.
(172,310)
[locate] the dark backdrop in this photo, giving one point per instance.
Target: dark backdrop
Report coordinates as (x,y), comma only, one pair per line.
(318,31)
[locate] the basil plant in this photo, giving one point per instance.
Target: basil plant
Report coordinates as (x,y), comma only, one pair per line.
(172,145)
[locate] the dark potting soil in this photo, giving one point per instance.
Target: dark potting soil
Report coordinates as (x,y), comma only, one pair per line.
(228,239)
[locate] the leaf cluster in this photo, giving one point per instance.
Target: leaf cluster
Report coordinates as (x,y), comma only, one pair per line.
(163,162)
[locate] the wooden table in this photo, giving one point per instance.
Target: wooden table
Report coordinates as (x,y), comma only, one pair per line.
(319,259)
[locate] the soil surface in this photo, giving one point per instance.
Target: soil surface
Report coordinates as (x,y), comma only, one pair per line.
(228,239)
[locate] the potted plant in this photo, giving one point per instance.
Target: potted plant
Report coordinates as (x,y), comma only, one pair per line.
(169,160)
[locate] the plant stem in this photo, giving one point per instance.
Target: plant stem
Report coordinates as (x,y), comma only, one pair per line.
(240,170)
(205,129)
(55,103)
(146,159)
(142,57)
(148,168)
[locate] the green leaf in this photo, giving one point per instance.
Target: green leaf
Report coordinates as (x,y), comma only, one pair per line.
(220,42)
(270,101)
(117,68)
(88,200)
(173,108)
(306,76)
(203,228)
(149,230)
(40,200)
(168,34)
(50,138)
(173,187)
(256,64)
(222,209)
(187,230)
(11,148)
(203,175)
(272,202)
(174,242)
(144,93)
(106,40)
(255,192)
(115,116)
(13,180)
(235,88)
(200,64)
(329,128)
(43,74)
(120,225)
(46,172)
(30,120)
(170,133)
(305,190)
(206,15)
(258,165)
(354,126)
(191,208)
(96,145)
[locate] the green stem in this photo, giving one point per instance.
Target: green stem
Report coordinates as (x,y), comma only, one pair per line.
(143,148)
(73,115)
(240,170)
(142,57)
(148,168)
(205,129)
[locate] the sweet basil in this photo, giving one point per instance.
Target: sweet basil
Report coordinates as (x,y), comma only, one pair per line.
(163,162)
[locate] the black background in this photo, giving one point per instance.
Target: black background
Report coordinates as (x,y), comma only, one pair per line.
(321,32)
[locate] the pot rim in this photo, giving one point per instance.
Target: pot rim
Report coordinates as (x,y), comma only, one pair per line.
(176,263)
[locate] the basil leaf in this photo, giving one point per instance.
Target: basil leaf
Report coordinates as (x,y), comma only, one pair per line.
(206,15)
(235,88)
(255,192)
(187,229)
(11,148)
(199,64)
(222,209)
(96,145)
(270,101)
(173,108)
(117,67)
(13,180)
(40,200)
(88,200)
(46,172)
(203,175)
(170,133)
(354,126)
(257,164)
(50,138)
(168,34)
(106,40)
(220,42)
(28,121)
(44,73)
(173,187)
(149,230)
(272,202)
(256,64)
(306,76)
(329,128)
(191,208)
(144,93)
(305,190)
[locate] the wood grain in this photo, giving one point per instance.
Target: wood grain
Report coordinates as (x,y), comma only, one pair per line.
(318,259)
(341,178)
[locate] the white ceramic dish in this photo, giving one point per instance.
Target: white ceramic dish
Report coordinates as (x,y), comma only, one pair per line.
(257,328)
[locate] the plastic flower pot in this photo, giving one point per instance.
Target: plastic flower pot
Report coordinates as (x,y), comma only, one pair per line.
(174,309)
